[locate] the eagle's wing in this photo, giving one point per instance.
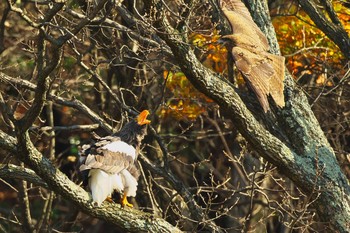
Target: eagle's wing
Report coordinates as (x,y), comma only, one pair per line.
(241,21)
(276,82)
(256,69)
(109,154)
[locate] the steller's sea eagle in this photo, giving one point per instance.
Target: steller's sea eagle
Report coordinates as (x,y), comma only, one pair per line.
(110,162)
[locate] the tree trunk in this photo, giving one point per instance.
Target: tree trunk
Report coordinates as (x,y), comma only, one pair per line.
(304,154)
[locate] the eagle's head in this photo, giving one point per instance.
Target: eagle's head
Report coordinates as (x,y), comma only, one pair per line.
(134,131)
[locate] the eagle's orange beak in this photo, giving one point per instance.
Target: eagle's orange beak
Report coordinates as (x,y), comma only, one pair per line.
(142,118)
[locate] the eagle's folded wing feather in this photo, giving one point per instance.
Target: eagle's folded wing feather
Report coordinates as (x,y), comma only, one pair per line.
(256,69)
(109,156)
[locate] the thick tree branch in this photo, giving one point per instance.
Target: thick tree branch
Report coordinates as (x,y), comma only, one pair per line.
(129,219)
(302,166)
(10,171)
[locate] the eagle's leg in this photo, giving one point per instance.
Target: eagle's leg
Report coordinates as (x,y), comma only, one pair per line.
(124,201)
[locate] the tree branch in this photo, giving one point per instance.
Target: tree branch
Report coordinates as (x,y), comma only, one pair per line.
(333,30)
(25,208)
(129,219)
(10,171)
(296,118)
(74,103)
(5,13)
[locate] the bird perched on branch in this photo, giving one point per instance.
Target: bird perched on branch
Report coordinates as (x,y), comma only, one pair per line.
(110,162)
(262,71)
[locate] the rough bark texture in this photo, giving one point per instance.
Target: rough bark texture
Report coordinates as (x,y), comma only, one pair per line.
(10,171)
(129,219)
(300,151)
(304,155)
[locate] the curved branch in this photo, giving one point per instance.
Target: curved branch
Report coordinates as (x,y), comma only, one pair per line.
(129,219)
(11,171)
(314,163)
(333,30)
(74,103)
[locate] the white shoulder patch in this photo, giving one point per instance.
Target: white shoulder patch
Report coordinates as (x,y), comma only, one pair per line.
(122,147)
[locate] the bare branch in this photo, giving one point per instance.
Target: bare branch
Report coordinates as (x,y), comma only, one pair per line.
(74,103)
(10,171)
(59,183)
(71,128)
(25,208)
(333,30)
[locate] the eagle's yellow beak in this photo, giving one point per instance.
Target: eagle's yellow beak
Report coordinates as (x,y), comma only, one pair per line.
(142,118)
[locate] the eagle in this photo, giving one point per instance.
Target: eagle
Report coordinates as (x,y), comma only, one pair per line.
(110,162)
(262,71)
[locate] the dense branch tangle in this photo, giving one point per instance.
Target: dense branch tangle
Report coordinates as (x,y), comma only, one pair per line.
(94,62)
(49,52)
(288,158)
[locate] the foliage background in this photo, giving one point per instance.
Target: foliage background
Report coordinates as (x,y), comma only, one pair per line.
(233,185)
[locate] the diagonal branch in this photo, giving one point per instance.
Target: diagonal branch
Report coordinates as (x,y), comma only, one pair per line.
(74,103)
(128,219)
(332,29)
(10,171)
(301,165)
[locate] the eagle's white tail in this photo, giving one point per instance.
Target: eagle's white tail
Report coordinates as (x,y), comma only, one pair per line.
(130,183)
(100,185)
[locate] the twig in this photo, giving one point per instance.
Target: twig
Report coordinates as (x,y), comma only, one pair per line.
(249,215)
(7,117)
(47,209)
(70,128)
(155,206)
(25,207)
(228,151)
(18,223)
(74,103)
(60,183)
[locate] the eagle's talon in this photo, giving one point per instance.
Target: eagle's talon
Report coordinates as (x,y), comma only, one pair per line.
(124,202)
